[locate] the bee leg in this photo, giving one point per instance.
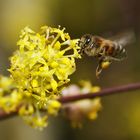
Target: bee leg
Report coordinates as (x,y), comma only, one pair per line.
(102,51)
(98,70)
(109,58)
(81,51)
(99,67)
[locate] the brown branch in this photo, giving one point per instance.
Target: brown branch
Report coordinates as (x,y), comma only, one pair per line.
(104,92)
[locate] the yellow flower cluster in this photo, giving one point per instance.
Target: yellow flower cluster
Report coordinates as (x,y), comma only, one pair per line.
(43,62)
(39,70)
(78,111)
(9,96)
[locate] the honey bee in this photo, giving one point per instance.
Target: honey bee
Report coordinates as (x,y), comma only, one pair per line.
(106,50)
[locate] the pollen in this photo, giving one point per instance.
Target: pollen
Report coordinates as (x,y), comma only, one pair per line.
(105,64)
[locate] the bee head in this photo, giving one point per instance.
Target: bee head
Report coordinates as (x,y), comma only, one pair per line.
(85,42)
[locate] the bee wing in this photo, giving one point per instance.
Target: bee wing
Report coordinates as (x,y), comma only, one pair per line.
(124,38)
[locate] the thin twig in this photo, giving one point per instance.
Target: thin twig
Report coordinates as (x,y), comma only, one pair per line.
(104,92)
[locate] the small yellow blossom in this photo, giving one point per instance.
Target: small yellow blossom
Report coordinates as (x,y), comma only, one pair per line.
(26,110)
(53,107)
(37,121)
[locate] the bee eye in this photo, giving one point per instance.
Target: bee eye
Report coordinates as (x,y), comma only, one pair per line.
(87,40)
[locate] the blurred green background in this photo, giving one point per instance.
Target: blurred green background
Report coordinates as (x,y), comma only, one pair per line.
(120,116)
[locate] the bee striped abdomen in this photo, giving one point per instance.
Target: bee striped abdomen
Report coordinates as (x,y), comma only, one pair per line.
(119,51)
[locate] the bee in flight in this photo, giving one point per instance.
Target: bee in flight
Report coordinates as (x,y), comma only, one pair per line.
(105,50)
